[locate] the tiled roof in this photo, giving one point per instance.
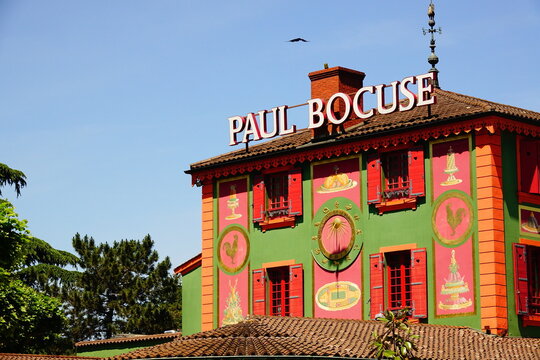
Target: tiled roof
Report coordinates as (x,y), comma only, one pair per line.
(286,336)
(43,357)
(450,106)
(128,339)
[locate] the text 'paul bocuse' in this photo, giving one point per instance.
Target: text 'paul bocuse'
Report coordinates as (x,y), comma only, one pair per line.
(321,111)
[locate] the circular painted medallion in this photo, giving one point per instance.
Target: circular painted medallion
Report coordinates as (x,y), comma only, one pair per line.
(336,296)
(233,249)
(453,217)
(336,236)
(334,244)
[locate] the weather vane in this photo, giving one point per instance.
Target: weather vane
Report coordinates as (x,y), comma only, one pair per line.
(432,59)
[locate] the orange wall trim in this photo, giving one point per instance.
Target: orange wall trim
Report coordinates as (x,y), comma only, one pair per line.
(493,296)
(386,249)
(529,242)
(278,263)
(207,261)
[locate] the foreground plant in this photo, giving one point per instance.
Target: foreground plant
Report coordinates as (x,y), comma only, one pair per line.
(396,342)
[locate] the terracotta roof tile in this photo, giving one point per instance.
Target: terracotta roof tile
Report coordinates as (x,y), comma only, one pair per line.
(11,356)
(278,336)
(129,339)
(450,106)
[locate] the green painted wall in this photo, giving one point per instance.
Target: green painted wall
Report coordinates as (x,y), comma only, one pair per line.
(512,233)
(191,302)
(409,227)
(289,243)
(390,229)
(107,350)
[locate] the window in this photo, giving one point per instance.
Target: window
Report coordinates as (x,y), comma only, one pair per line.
(396,175)
(395,179)
(529,156)
(527,281)
(398,280)
(277,198)
(278,291)
(278,195)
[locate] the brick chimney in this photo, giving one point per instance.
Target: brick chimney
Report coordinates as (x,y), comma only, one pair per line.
(327,82)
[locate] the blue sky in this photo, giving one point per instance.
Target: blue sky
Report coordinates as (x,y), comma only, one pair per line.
(104,104)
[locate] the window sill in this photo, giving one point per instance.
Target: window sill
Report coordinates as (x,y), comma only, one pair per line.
(531,320)
(284,221)
(396,204)
(529,198)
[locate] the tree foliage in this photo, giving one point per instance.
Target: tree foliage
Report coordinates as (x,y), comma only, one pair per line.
(12,177)
(14,236)
(396,342)
(123,289)
(43,267)
(30,321)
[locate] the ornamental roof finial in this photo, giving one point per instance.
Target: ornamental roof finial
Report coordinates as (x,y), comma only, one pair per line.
(432,58)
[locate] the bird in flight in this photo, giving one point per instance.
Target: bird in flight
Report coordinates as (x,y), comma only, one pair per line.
(298,39)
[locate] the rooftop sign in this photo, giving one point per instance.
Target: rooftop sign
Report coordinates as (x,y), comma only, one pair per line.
(321,111)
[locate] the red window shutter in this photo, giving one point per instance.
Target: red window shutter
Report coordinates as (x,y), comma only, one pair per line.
(259,208)
(530,178)
(374,178)
(259,292)
(376,284)
(521,280)
(295,192)
(416,171)
(419,282)
(296,290)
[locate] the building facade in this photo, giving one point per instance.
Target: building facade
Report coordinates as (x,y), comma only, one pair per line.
(431,202)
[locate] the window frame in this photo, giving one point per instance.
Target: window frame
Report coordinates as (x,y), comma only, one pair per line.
(524,265)
(524,194)
(291,203)
(378,174)
(380,282)
(293,297)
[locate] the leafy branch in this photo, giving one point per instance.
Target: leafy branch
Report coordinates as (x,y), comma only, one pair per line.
(396,342)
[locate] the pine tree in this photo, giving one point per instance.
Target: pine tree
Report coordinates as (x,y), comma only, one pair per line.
(9,176)
(123,289)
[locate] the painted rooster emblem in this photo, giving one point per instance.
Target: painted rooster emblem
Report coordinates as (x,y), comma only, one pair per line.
(454,219)
(231,250)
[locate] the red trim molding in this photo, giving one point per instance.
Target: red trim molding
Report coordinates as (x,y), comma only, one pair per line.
(490,123)
(189,265)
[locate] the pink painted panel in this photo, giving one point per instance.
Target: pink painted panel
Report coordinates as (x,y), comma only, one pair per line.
(451,167)
(454,279)
(338,294)
(339,178)
(233,203)
(233,297)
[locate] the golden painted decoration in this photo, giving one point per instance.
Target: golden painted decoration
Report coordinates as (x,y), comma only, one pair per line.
(233,249)
(337,296)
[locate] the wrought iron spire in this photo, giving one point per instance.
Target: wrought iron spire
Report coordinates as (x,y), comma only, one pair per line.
(432,58)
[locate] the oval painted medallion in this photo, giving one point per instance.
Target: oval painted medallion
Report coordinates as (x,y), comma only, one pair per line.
(336,296)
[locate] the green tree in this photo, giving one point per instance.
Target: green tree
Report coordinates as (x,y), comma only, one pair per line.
(396,342)
(30,321)
(123,289)
(12,177)
(43,268)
